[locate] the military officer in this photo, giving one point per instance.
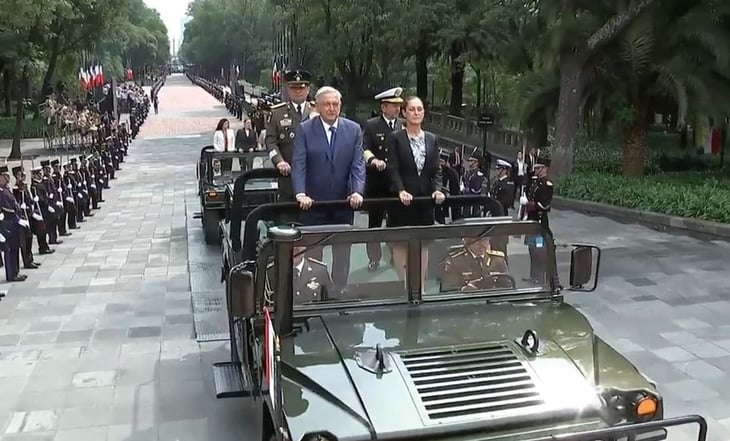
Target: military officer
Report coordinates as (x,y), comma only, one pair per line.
(40,191)
(30,217)
(311,280)
(474,182)
(539,199)
(474,266)
(284,119)
(375,146)
(503,189)
(13,225)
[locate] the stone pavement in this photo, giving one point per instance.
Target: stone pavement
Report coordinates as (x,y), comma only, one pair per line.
(98,344)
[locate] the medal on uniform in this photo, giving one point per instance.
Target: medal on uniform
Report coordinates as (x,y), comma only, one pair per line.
(291,135)
(285,122)
(313,285)
(282,136)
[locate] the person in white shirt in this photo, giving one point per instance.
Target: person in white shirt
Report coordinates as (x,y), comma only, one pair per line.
(224,140)
(520,172)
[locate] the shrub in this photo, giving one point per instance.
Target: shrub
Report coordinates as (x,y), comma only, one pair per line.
(702,196)
(31,128)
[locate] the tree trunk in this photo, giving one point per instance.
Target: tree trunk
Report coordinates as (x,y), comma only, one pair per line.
(566,127)
(23,84)
(52,63)
(478,73)
(537,131)
(422,69)
(634,150)
(8,91)
(457,78)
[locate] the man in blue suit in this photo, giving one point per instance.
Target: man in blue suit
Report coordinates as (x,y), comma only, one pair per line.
(328,165)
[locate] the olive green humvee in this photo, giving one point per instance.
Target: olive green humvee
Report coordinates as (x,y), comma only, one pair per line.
(399,356)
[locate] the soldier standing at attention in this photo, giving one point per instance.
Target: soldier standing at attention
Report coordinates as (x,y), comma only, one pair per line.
(503,189)
(282,126)
(12,225)
(539,198)
(375,146)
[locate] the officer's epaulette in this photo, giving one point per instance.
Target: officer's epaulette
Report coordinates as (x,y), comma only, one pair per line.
(270,265)
(312,103)
(495,253)
(549,183)
(276,106)
(318,262)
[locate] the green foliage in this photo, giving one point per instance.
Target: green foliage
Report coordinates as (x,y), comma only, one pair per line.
(702,196)
(31,128)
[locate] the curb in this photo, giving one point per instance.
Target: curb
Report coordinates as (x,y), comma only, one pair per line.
(645,217)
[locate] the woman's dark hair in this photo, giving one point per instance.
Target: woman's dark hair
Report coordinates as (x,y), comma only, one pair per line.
(220,124)
(411,98)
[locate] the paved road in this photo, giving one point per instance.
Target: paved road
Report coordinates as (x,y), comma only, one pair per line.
(98,344)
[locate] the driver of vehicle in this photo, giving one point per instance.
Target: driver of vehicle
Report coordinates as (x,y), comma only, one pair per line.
(217,168)
(311,281)
(475,266)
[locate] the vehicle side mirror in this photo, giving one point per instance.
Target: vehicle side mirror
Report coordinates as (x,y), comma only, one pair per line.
(582,267)
(242,299)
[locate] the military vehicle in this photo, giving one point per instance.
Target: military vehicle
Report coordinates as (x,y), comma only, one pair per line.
(454,341)
(216,171)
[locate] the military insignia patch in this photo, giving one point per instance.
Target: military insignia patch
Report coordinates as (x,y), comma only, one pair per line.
(291,135)
(313,285)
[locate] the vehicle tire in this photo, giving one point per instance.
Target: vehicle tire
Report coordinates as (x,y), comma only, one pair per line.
(210,227)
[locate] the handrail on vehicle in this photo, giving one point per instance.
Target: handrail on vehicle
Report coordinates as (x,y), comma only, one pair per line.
(626,430)
(274,210)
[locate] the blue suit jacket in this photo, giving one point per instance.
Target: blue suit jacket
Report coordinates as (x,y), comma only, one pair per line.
(326,177)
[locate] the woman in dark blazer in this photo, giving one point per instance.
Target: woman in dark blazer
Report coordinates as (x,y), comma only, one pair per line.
(414,171)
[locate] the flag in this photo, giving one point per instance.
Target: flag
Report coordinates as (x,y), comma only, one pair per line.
(274,76)
(101,76)
(87,79)
(90,77)
(82,78)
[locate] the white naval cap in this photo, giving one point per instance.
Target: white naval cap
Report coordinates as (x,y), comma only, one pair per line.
(390,96)
(503,163)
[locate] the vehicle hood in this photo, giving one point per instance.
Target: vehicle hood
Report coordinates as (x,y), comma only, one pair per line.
(451,366)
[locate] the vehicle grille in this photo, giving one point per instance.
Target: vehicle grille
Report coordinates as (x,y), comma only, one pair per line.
(458,382)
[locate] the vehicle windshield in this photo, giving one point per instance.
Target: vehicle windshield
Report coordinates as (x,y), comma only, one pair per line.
(463,261)
(224,168)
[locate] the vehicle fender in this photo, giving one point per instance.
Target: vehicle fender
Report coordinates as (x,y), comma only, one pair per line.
(614,370)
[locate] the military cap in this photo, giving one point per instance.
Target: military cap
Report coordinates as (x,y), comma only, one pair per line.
(390,96)
(45,163)
(37,170)
(73,161)
(501,163)
(17,170)
(82,158)
(542,162)
(4,169)
(297,77)
(55,162)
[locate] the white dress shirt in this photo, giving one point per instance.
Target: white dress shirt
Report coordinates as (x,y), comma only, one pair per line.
(327,129)
(219,142)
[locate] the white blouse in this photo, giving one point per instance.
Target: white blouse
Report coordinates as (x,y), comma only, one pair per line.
(219,140)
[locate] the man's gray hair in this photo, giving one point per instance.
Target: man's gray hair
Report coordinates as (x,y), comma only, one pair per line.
(327,90)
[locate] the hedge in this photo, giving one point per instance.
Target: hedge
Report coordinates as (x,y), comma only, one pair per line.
(697,195)
(31,128)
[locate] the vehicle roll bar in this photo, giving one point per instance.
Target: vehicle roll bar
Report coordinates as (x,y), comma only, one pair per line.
(273,211)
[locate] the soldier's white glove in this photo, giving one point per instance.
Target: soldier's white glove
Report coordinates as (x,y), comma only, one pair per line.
(51,210)
(23,206)
(60,204)
(523,199)
(2,216)
(35,199)
(23,223)
(2,238)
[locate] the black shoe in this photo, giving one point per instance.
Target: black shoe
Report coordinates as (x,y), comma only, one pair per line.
(19,278)
(56,242)
(31,266)
(46,251)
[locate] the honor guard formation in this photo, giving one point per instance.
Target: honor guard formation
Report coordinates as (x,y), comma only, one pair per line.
(53,198)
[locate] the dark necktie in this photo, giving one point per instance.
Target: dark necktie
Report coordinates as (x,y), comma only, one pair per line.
(299,110)
(392,125)
(333,131)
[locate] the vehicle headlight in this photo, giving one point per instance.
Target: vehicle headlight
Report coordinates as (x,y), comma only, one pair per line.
(632,406)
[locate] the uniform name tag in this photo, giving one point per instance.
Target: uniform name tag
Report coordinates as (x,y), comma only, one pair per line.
(285,123)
